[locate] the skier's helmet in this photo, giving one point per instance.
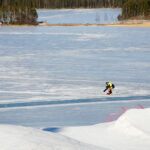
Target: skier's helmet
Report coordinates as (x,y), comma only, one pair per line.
(107,82)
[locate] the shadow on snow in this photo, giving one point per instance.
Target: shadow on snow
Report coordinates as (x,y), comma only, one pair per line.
(74,101)
(55,130)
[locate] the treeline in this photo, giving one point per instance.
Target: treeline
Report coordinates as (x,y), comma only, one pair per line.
(18,12)
(78,3)
(64,3)
(139,9)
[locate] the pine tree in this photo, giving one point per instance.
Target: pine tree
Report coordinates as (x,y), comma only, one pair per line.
(18,12)
(133,8)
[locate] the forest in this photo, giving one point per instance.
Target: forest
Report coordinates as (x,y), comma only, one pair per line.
(139,9)
(24,11)
(79,3)
(18,12)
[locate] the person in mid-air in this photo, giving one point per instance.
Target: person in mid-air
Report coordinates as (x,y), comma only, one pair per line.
(109,87)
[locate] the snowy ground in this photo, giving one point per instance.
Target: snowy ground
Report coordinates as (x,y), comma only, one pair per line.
(130,132)
(55,77)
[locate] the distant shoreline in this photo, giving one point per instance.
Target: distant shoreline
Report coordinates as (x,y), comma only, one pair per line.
(122,24)
(131,24)
(75,8)
(143,24)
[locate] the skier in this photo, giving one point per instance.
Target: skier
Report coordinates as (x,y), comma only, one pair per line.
(109,87)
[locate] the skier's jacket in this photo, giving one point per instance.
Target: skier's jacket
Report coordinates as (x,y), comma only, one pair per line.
(109,86)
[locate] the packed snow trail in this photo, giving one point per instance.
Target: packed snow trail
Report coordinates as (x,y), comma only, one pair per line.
(75,101)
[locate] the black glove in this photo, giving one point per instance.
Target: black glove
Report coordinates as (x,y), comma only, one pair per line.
(106,88)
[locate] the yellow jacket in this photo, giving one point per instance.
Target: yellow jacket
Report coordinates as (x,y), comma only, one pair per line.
(110,85)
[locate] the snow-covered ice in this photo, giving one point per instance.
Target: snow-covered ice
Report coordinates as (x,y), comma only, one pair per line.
(54,77)
(82,16)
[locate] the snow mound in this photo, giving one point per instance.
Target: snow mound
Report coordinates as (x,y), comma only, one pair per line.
(135,122)
(25,138)
(130,132)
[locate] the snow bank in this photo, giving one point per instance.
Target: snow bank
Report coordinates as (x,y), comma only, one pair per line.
(130,132)
(25,138)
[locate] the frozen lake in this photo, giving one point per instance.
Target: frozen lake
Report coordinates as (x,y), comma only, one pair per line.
(77,16)
(55,76)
